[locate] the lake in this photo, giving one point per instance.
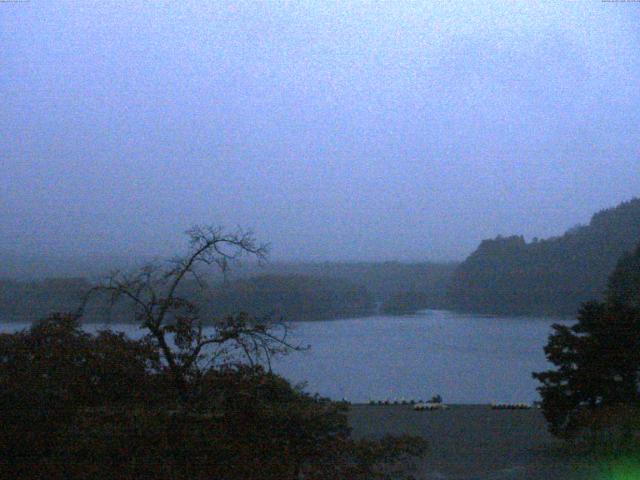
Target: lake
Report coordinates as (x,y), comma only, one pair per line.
(463,358)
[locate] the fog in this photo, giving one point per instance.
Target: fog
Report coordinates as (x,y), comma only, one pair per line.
(350,131)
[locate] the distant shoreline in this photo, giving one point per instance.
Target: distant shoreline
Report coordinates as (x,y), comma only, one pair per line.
(9,319)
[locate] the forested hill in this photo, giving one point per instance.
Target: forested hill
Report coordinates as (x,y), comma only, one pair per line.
(296,291)
(291,297)
(506,275)
(422,284)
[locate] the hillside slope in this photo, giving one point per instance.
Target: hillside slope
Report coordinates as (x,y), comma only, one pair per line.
(507,275)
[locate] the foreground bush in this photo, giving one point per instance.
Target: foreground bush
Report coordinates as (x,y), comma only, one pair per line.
(75,405)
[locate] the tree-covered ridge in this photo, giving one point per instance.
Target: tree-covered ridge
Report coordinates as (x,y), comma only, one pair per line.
(507,275)
(292,297)
(28,301)
(383,279)
(295,291)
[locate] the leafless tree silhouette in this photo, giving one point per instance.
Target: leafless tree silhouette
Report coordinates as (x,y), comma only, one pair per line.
(174,323)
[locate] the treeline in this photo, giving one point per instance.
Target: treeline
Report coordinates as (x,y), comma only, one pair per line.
(27,301)
(396,287)
(293,291)
(291,297)
(507,275)
(381,279)
(410,301)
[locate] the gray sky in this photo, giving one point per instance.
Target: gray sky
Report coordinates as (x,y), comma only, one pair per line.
(335,131)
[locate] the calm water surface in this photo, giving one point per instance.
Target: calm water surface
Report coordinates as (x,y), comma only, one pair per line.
(464,358)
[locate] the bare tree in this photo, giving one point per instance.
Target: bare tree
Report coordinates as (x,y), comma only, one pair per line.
(174,322)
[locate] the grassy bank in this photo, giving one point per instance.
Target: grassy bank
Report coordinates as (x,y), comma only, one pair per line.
(475,442)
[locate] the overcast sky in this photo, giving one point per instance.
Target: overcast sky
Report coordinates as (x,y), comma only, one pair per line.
(335,131)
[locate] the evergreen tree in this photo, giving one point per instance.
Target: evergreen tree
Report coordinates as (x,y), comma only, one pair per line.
(595,385)
(624,282)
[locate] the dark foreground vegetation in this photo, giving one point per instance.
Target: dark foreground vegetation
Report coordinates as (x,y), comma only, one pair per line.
(547,277)
(592,396)
(73,405)
(178,403)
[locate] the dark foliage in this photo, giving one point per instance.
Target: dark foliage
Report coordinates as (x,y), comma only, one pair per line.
(624,282)
(74,405)
(594,391)
(547,277)
(295,297)
(598,362)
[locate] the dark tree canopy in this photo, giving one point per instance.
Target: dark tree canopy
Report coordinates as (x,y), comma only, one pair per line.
(598,365)
(81,406)
(624,282)
(292,297)
(548,277)
(595,386)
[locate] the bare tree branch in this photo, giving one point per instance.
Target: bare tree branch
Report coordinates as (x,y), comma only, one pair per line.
(174,322)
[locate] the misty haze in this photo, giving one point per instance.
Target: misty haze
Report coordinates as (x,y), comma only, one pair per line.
(287,240)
